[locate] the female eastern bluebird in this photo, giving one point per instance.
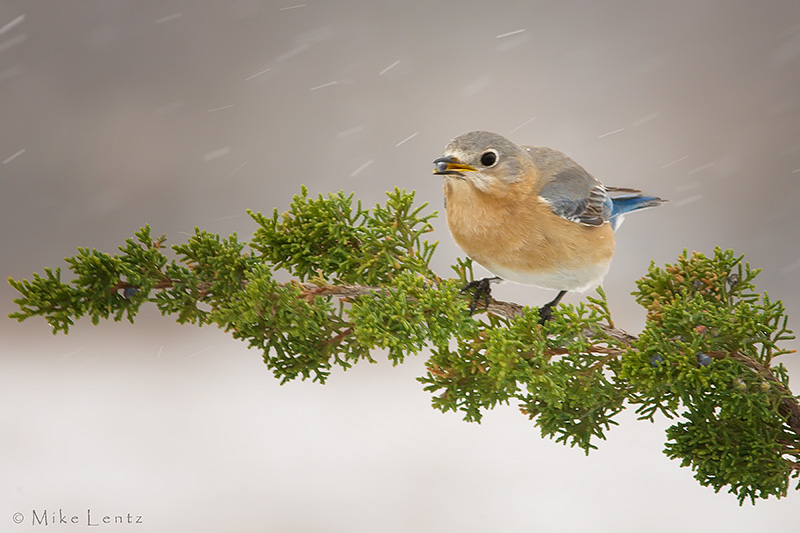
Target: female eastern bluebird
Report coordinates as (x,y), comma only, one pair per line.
(531,214)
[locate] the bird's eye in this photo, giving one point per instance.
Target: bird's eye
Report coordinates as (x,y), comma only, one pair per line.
(488,158)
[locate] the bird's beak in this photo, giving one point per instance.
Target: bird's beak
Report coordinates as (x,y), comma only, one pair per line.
(450,165)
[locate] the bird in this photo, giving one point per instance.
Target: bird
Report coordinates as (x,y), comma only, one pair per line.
(531,215)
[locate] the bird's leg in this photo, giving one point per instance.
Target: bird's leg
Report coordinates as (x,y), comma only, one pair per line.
(546,311)
(483,291)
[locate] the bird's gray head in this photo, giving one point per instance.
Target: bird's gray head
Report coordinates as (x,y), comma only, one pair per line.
(483,158)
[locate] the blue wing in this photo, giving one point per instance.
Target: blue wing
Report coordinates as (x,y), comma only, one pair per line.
(576,195)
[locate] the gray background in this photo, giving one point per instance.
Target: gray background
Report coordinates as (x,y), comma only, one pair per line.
(120,113)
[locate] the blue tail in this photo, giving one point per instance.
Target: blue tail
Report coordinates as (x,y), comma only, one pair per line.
(630,202)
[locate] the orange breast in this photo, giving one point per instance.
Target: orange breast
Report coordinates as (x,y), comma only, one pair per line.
(517,231)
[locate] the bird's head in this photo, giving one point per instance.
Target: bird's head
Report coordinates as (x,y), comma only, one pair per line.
(484,159)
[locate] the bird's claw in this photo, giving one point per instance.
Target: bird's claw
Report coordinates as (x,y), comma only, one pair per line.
(483,291)
(545,313)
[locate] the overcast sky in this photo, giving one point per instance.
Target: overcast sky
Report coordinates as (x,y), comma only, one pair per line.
(186,113)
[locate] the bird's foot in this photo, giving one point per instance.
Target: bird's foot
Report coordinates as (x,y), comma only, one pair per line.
(546,311)
(483,291)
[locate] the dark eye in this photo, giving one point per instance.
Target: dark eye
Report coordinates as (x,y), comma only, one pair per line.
(488,159)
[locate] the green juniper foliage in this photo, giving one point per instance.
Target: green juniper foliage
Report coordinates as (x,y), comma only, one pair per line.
(362,281)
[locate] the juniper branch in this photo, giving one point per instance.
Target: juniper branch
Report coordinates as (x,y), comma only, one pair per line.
(789,405)
(362,282)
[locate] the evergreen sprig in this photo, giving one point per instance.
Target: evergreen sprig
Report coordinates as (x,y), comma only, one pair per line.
(705,358)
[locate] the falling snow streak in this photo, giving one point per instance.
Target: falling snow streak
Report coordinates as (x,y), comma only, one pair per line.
(16,22)
(237,169)
(221,108)
(324,85)
(348,132)
(293,52)
(12,157)
(390,67)
(287,8)
(361,168)
(248,78)
(509,34)
(407,139)
(610,133)
(674,162)
(168,18)
(645,119)
(217,153)
(523,124)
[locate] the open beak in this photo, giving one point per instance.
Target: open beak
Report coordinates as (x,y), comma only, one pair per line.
(451,165)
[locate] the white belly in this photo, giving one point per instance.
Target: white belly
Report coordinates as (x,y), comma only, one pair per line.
(561,280)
